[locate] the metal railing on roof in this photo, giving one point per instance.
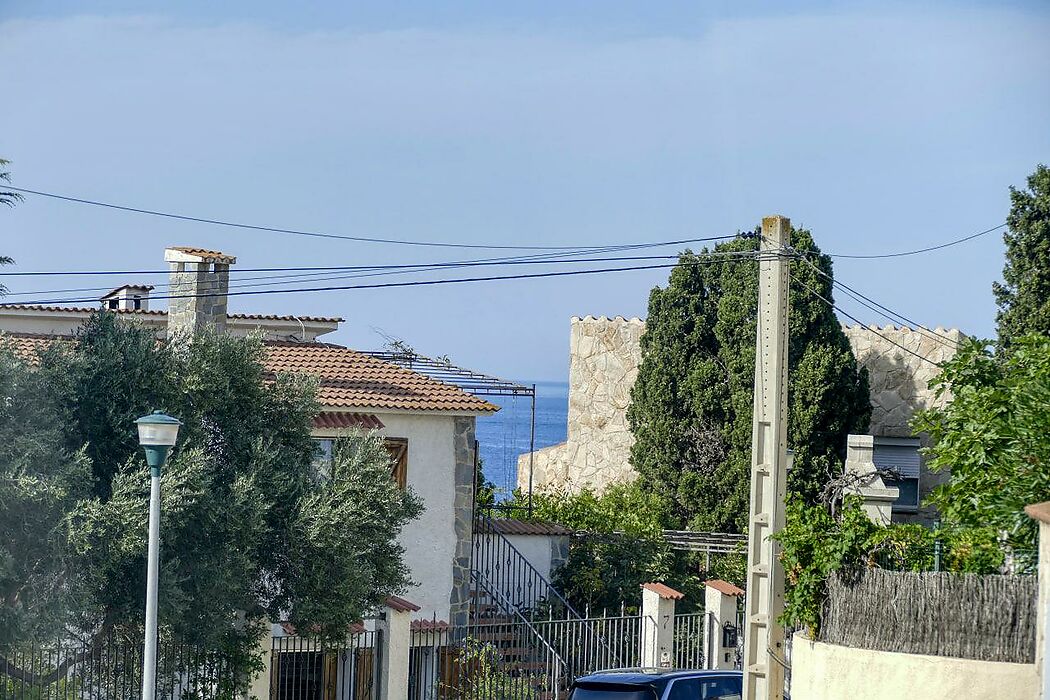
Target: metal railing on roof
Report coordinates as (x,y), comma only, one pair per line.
(445,371)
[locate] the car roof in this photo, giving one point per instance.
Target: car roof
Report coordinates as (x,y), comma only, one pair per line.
(654,677)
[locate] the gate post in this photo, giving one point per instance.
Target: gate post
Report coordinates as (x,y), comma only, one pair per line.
(260,685)
(720,605)
(658,625)
(397,638)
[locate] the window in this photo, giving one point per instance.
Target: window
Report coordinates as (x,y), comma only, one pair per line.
(901,456)
(397,448)
(112,303)
(721,689)
(685,689)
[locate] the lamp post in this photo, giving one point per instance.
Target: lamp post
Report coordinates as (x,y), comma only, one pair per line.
(157,433)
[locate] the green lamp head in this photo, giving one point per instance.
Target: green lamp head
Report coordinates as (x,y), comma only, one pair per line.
(157,434)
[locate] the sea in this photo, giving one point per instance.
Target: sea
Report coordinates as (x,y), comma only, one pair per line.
(503,436)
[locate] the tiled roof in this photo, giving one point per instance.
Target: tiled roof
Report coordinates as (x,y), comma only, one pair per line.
(665,592)
(346,419)
(509,526)
(210,255)
(724,587)
(1039,511)
(347,379)
(401,605)
(159,312)
(429,625)
(351,379)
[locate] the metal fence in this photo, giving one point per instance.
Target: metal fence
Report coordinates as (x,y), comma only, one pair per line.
(689,638)
(111,669)
(514,658)
(302,668)
(989,618)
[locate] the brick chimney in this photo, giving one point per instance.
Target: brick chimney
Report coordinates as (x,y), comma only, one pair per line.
(202,279)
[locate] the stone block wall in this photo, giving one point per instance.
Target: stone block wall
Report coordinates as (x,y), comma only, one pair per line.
(604,356)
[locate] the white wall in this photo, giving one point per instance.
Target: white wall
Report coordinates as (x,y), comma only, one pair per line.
(830,672)
(535,548)
(430,539)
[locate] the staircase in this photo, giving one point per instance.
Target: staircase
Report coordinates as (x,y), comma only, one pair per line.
(527,625)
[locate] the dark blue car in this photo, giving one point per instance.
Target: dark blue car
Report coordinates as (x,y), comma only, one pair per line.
(658,684)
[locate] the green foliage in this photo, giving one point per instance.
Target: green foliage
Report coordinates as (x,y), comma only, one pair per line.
(1024,295)
(691,406)
(625,508)
(250,528)
(485,675)
(816,542)
(618,548)
(992,436)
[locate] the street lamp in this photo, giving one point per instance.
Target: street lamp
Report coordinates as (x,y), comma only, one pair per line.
(157,433)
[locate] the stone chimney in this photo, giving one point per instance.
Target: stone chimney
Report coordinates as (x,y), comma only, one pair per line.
(860,463)
(199,282)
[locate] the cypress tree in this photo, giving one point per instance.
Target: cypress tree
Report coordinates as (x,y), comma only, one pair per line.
(691,406)
(1024,295)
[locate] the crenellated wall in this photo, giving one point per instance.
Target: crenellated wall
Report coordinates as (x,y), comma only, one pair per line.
(604,357)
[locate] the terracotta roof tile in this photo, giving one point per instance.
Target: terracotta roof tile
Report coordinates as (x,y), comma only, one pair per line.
(401,605)
(509,526)
(209,255)
(724,587)
(348,379)
(351,379)
(335,420)
(161,312)
(1039,511)
(665,592)
(429,625)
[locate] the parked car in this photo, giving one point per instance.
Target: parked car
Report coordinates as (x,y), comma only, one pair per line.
(659,684)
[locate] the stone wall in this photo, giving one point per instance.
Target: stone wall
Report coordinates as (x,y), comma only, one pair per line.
(900,386)
(604,356)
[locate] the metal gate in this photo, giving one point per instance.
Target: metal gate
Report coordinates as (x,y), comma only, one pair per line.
(302,668)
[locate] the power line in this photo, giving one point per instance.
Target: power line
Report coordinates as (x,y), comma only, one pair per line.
(920,250)
(297,232)
(322,268)
(380,270)
(756,255)
(880,309)
(862,325)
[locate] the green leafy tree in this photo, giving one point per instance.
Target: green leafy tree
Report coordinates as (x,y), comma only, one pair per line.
(1024,295)
(992,436)
(252,527)
(691,406)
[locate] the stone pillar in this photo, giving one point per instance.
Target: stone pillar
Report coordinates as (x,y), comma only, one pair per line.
(1041,513)
(720,606)
(464,446)
(860,461)
(657,638)
(260,685)
(396,626)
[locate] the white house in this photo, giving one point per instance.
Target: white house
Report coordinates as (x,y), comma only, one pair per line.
(429,425)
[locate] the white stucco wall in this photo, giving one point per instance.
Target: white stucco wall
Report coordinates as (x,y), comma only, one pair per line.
(829,672)
(535,548)
(430,540)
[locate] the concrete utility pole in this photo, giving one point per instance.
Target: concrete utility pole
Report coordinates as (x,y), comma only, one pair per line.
(763,636)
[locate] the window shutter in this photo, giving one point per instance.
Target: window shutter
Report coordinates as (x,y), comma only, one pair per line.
(903,458)
(398,450)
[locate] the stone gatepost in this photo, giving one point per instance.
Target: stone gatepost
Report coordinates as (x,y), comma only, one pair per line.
(396,626)
(720,607)
(657,635)
(1041,513)
(860,462)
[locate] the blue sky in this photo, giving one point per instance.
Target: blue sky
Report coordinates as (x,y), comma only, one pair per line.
(879,126)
